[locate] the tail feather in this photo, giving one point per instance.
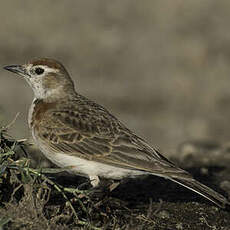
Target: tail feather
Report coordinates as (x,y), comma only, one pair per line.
(202,190)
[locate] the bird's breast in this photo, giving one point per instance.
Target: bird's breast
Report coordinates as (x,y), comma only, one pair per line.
(37,110)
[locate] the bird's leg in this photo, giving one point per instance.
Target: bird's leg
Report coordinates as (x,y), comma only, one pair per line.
(114,185)
(110,184)
(94,180)
(102,187)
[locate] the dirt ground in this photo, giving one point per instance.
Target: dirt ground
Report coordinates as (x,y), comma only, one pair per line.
(162,67)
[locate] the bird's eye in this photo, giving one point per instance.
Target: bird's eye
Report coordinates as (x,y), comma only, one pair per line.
(39,71)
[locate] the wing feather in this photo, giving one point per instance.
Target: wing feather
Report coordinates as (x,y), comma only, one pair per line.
(93,133)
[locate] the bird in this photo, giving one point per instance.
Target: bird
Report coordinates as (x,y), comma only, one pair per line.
(75,132)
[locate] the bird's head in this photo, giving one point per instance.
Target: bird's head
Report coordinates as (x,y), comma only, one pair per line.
(48,78)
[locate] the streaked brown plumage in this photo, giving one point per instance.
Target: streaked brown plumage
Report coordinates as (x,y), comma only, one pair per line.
(72,130)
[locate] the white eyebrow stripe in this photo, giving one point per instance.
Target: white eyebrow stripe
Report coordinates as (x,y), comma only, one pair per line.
(48,69)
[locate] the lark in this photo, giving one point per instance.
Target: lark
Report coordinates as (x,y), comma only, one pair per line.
(75,132)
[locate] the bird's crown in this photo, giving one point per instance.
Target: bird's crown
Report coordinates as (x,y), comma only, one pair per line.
(47,62)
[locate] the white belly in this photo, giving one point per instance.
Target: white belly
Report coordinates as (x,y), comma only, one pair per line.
(91,168)
(86,167)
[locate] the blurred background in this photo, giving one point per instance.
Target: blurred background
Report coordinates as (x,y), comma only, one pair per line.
(162,67)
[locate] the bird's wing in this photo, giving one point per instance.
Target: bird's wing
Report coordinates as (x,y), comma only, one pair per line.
(92,133)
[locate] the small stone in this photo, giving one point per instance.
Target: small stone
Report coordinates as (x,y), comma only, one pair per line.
(225,185)
(164,214)
(179,226)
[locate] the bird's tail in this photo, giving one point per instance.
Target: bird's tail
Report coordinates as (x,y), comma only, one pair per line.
(202,190)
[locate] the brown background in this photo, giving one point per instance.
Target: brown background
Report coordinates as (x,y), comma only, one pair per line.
(162,67)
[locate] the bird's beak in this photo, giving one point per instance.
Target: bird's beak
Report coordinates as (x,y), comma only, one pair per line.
(18,69)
